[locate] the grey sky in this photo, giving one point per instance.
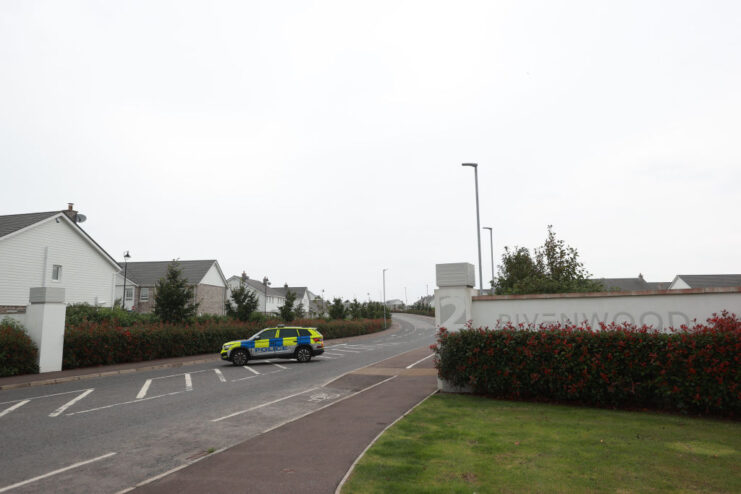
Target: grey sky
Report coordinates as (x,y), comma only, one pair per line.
(319,142)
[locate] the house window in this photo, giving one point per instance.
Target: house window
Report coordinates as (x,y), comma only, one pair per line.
(129,293)
(144,294)
(56,272)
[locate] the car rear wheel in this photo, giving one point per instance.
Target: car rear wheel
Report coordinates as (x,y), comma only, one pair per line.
(303,354)
(239,357)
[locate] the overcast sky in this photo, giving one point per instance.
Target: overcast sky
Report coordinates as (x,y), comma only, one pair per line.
(320,142)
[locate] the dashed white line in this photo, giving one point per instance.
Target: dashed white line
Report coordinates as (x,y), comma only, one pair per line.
(126,403)
(250,369)
(61,409)
(14,407)
(188,383)
(221,375)
(55,472)
(143,391)
(280,366)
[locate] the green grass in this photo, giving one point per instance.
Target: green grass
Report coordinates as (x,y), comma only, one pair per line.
(466,444)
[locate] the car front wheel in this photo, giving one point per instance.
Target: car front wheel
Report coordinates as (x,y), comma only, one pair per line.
(303,354)
(239,357)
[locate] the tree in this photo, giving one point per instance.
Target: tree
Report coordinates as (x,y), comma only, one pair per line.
(555,268)
(286,310)
(299,311)
(242,304)
(356,309)
(337,309)
(173,298)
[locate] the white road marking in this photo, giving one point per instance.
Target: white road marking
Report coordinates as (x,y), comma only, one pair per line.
(55,472)
(280,366)
(126,403)
(143,391)
(263,405)
(335,354)
(181,374)
(44,396)
(14,407)
(250,369)
(243,378)
(61,409)
(420,360)
(221,375)
(344,350)
(188,383)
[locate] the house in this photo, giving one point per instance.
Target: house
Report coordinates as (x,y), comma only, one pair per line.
(631,284)
(269,299)
(303,296)
(682,281)
(205,277)
(50,249)
(394,304)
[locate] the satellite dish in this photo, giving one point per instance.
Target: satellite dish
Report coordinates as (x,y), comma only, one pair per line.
(80,218)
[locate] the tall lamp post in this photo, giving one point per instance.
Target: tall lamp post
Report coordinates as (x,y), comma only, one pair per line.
(491,241)
(126,265)
(266,282)
(384,297)
(475,167)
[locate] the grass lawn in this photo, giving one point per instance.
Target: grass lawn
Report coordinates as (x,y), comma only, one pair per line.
(458,443)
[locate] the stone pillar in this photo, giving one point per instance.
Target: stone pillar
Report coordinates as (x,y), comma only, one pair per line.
(453,305)
(454,295)
(45,325)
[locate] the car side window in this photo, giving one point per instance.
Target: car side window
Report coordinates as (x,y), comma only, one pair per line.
(304,332)
(288,333)
(267,334)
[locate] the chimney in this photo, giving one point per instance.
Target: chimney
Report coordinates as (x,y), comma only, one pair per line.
(70,211)
(244,277)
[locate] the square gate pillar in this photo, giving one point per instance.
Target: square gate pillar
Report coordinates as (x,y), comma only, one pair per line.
(45,324)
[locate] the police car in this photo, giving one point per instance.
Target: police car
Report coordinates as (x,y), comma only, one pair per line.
(280,342)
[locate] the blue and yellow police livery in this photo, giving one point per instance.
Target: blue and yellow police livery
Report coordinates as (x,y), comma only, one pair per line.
(281,342)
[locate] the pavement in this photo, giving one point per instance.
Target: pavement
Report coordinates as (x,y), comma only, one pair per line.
(313,453)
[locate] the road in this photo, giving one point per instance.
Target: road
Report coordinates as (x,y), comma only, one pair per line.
(110,433)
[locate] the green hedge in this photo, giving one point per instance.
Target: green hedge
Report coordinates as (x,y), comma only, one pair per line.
(18,354)
(694,369)
(91,343)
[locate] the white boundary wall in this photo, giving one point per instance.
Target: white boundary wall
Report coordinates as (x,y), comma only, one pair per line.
(456,305)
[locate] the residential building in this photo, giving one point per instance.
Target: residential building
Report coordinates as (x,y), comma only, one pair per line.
(269,299)
(50,249)
(204,277)
(683,281)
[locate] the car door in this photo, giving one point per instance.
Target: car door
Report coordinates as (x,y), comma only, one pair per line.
(289,337)
(263,347)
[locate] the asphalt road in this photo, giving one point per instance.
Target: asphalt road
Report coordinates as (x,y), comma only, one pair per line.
(110,433)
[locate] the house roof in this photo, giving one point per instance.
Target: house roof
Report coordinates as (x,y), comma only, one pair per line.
(258,286)
(298,290)
(623,284)
(15,223)
(711,280)
(149,273)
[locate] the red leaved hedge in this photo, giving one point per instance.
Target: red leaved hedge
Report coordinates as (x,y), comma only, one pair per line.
(693,369)
(103,343)
(18,353)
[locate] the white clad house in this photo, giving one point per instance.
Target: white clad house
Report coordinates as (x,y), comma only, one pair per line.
(50,249)
(303,296)
(269,299)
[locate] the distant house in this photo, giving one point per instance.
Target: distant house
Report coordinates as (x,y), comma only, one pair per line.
(395,304)
(683,281)
(631,284)
(269,299)
(205,277)
(303,296)
(50,249)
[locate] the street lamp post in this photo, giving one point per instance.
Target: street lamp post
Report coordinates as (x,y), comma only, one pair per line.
(266,282)
(384,297)
(491,241)
(126,265)
(478,222)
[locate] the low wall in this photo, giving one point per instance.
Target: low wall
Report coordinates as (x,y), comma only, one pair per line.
(661,309)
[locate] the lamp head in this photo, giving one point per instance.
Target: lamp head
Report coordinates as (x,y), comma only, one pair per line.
(475,165)
(127,256)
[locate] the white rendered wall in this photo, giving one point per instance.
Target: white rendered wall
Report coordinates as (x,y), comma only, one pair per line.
(660,309)
(26,261)
(213,277)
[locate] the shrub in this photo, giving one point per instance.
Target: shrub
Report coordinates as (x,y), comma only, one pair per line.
(693,369)
(18,354)
(78,313)
(92,343)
